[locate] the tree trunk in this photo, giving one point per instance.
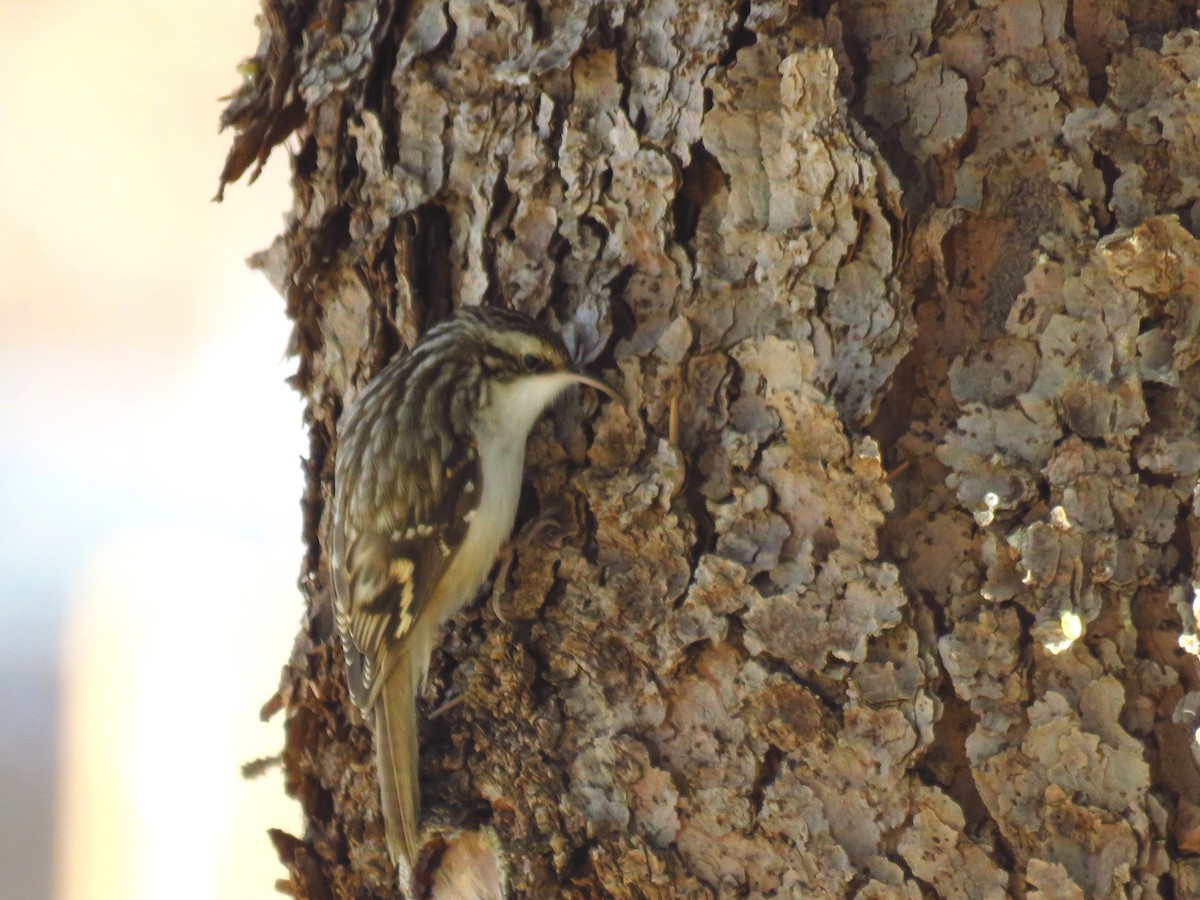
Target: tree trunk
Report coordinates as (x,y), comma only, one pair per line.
(883,584)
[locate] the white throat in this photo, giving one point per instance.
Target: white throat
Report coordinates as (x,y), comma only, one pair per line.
(512,408)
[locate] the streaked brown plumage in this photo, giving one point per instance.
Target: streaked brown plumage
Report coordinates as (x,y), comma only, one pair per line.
(428,473)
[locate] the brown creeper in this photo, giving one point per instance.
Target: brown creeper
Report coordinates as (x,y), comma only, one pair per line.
(429,465)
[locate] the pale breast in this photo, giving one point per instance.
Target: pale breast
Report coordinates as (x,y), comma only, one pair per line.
(502,466)
(501,430)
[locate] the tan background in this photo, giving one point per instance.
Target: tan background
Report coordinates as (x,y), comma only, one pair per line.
(137,539)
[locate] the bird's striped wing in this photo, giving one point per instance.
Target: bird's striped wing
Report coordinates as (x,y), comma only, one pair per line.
(387,557)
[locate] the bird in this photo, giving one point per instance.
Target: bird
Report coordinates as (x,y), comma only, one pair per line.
(427,476)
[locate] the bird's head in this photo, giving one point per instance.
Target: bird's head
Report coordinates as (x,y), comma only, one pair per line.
(524,363)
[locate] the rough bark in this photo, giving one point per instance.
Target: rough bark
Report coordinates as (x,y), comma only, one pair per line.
(883,586)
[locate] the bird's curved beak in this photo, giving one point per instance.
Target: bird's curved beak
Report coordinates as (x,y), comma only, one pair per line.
(589,381)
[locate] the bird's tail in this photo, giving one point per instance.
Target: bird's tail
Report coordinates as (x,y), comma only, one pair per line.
(396,759)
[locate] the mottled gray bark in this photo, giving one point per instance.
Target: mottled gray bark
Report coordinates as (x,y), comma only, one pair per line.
(882,587)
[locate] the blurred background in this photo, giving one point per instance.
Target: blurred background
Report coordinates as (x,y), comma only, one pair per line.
(149,475)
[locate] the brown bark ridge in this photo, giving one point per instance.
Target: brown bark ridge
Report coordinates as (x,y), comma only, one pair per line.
(883,586)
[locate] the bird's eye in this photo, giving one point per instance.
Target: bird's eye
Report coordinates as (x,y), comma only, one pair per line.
(532,362)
